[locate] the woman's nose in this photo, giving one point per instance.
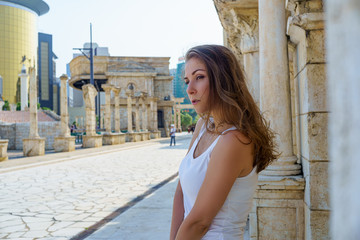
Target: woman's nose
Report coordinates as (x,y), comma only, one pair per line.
(190,88)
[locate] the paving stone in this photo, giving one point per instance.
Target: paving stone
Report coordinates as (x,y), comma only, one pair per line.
(59,200)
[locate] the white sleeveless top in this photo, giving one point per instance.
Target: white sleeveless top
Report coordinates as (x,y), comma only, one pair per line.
(230,221)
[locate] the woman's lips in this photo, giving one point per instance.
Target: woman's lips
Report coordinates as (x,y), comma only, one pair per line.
(194,102)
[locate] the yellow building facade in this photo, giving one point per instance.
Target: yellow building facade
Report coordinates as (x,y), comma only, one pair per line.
(18,42)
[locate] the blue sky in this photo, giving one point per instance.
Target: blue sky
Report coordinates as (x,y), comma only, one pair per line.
(164,28)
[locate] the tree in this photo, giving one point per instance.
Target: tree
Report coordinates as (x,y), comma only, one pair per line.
(186,120)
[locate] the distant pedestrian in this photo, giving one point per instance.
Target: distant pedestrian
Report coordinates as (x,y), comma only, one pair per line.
(172,134)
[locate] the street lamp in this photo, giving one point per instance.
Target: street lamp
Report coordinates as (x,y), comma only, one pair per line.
(91,59)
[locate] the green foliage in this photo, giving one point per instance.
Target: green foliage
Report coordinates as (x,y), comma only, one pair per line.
(186,120)
(46,108)
(6,106)
(18,106)
(38,106)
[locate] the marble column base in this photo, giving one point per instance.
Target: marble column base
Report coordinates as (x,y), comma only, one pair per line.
(33,147)
(278,208)
(155,134)
(284,166)
(3,149)
(64,144)
(92,141)
(145,136)
(113,138)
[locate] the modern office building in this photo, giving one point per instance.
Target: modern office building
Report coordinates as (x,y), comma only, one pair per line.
(47,86)
(179,86)
(18,41)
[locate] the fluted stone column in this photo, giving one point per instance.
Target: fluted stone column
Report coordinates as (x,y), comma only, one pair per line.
(137,115)
(129,110)
(116,91)
(91,139)
(24,88)
(274,84)
(64,142)
(34,145)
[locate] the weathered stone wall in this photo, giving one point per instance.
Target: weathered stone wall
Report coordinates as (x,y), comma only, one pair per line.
(309,108)
(310,116)
(7,131)
(16,132)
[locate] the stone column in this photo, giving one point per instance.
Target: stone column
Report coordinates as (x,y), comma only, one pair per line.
(34,145)
(91,139)
(137,116)
(107,88)
(155,116)
(116,91)
(343,56)
(274,84)
(175,114)
(24,88)
(179,120)
(64,142)
(144,112)
(129,110)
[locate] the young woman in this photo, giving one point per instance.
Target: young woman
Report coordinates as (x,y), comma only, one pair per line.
(232,143)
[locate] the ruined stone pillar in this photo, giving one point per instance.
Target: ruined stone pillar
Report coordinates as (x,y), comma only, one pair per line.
(34,145)
(91,139)
(116,91)
(274,84)
(107,88)
(64,142)
(137,115)
(129,110)
(24,88)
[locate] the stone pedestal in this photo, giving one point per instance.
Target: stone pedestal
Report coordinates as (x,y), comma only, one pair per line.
(113,138)
(155,134)
(145,136)
(278,209)
(33,147)
(3,149)
(92,141)
(64,144)
(133,137)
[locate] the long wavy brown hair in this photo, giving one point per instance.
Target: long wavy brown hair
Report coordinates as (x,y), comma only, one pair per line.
(231,97)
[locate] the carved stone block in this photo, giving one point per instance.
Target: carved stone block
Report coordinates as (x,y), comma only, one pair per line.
(33,147)
(64,144)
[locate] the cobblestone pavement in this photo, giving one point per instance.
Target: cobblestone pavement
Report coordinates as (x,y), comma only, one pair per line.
(60,200)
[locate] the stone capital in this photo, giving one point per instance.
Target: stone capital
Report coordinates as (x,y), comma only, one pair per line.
(64,77)
(116,90)
(107,87)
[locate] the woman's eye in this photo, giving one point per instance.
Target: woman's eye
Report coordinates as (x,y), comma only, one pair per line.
(186,82)
(199,77)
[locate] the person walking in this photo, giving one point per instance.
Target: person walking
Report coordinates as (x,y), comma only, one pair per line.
(172,135)
(231,144)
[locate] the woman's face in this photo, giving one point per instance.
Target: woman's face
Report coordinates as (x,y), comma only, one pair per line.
(196,78)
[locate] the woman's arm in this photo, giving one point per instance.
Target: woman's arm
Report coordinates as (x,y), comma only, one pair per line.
(178,212)
(229,160)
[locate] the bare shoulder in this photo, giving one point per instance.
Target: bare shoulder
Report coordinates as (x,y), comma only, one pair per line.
(235,149)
